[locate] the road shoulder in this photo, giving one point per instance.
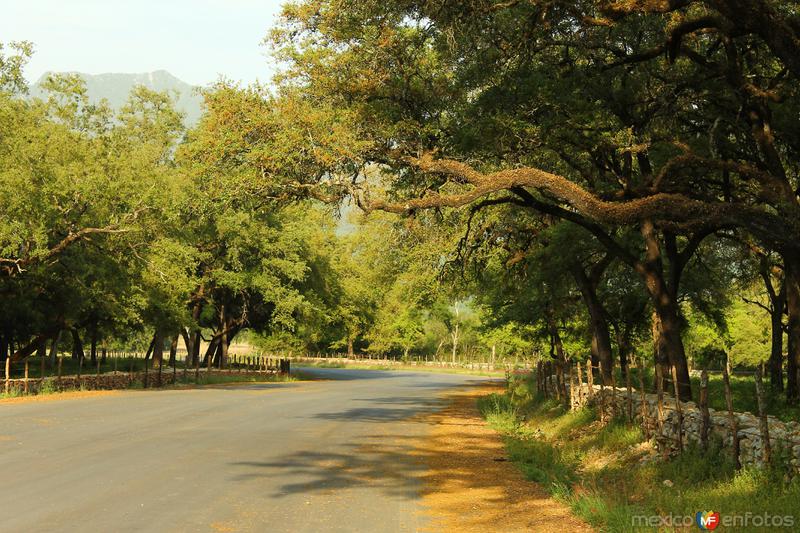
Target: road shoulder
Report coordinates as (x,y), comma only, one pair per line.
(469,486)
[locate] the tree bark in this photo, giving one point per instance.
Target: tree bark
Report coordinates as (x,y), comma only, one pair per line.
(792,271)
(158,349)
(777,300)
(665,302)
(173,349)
(598,325)
(77,346)
(54,348)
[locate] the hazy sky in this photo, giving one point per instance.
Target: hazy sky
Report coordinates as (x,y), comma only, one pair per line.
(195,40)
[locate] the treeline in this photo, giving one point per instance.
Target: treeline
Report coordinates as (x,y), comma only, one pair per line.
(617,179)
(626,169)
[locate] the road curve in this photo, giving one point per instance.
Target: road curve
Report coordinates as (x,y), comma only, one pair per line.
(316,456)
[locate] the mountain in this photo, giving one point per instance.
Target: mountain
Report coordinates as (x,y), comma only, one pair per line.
(116,87)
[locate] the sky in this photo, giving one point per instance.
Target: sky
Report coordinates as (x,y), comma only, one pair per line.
(195,40)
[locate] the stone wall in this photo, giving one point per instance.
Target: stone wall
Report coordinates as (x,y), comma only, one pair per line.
(784,437)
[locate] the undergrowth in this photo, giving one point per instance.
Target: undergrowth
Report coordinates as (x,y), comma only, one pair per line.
(609,473)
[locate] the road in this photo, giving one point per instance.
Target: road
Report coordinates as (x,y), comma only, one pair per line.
(328,455)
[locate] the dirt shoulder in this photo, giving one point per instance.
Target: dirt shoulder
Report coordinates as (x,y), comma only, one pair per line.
(469,486)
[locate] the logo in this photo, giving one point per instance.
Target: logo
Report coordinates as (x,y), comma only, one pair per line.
(707,520)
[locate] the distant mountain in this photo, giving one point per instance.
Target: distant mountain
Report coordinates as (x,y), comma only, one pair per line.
(116,87)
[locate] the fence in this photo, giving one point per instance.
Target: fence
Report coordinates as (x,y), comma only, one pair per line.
(671,423)
(374,359)
(121,370)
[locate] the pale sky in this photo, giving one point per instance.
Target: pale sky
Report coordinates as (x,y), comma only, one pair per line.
(195,40)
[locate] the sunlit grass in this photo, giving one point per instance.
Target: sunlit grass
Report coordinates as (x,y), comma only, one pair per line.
(597,469)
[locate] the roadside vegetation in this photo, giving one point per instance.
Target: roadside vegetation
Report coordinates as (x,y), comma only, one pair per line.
(608,473)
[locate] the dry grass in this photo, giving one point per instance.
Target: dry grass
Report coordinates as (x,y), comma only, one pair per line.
(469,486)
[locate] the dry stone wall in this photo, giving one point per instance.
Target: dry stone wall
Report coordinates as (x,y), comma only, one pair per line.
(670,435)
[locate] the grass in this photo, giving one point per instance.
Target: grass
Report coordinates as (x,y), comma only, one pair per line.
(598,470)
(401,368)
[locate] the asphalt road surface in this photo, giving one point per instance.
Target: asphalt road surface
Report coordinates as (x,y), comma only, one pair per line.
(316,456)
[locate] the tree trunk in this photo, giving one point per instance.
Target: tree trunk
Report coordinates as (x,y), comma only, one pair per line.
(624,348)
(77,346)
(455,342)
(93,349)
(158,349)
(598,325)
(211,351)
(776,351)
(792,264)
(350,352)
(188,341)
(173,350)
(54,348)
(665,304)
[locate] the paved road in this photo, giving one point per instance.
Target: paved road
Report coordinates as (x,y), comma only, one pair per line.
(317,456)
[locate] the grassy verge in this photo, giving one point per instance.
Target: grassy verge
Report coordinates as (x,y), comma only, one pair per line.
(400,367)
(608,474)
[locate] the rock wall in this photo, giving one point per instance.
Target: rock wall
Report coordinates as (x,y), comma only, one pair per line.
(784,437)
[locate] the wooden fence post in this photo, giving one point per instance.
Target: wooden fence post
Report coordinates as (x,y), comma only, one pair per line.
(726,379)
(579,368)
(25,383)
(8,373)
(602,392)
(660,395)
(590,378)
(629,390)
(613,392)
(705,420)
(762,416)
(642,395)
(678,406)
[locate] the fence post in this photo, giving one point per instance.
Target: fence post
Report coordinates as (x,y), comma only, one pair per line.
(8,373)
(602,391)
(660,395)
(629,390)
(571,388)
(580,383)
(642,394)
(726,379)
(590,378)
(539,377)
(705,416)
(678,406)
(762,416)
(25,383)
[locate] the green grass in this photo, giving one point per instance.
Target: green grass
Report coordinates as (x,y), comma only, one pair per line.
(596,469)
(400,368)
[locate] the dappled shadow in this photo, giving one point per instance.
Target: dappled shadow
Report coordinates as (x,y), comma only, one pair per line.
(456,468)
